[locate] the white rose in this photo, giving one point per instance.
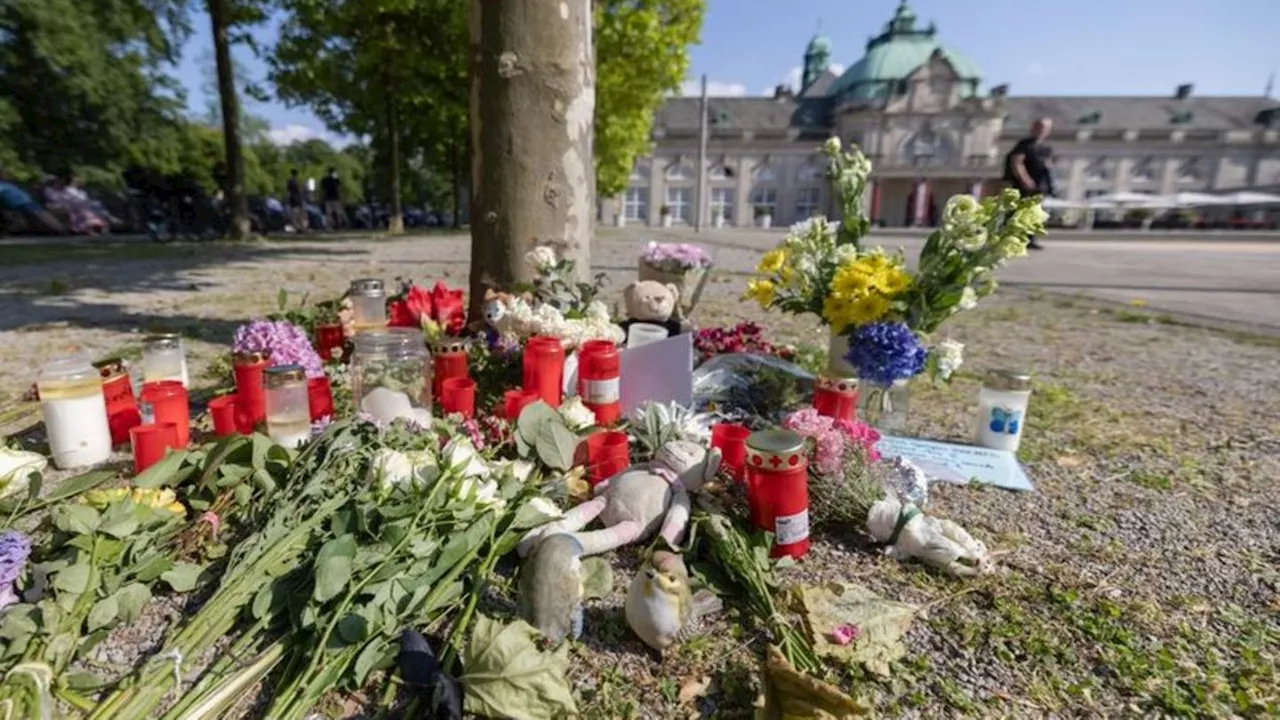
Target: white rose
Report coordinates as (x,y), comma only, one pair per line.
(390,469)
(576,415)
(968,299)
(460,456)
(519,470)
(538,511)
(950,356)
(596,310)
(425,468)
(846,254)
(541,257)
(16,466)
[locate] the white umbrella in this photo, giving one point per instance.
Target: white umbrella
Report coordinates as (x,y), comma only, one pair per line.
(1194,199)
(1253,198)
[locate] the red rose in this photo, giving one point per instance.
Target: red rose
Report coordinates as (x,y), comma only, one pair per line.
(449,310)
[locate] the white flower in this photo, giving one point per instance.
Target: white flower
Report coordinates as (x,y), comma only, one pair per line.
(968,299)
(576,415)
(425,468)
(460,456)
(846,254)
(596,310)
(538,511)
(831,146)
(519,470)
(390,469)
(477,492)
(16,467)
(541,258)
(949,357)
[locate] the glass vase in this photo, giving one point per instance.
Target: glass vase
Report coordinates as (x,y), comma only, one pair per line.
(883,407)
(837,348)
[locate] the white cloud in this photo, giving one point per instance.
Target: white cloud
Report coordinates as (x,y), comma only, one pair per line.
(1034,69)
(837,68)
(792,78)
(715,88)
(290,134)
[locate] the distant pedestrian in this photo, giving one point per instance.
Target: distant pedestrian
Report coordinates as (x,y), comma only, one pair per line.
(1026,167)
(331,189)
(16,200)
(297,207)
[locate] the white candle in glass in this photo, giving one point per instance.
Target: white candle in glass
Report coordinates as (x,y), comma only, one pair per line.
(75,412)
(1002,410)
(164,358)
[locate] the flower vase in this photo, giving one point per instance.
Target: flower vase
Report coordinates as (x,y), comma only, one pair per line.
(883,407)
(689,283)
(837,348)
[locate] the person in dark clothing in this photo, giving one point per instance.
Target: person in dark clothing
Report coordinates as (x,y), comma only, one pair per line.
(331,189)
(297,212)
(1026,167)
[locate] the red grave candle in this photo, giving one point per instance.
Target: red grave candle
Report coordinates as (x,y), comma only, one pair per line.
(836,398)
(777,472)
(607,454)
(458,395)
(117,390)
(251,406)
(149,444)
(513,401)
(329,337)
(320,398)
(544,368)
(448,360)
(732,441)
(166,402)
(223,411)
(600,380)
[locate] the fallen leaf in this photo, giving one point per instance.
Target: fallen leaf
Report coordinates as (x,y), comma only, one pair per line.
(881,624)
(597,578)
(693,689)
(789,693)
(1067,461)
(507,676)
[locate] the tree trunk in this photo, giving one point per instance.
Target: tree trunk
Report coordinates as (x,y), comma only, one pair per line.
(532,167)
(456,165)
(237,203)
(391,139)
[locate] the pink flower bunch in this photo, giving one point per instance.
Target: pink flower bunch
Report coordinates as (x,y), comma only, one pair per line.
(836,442)
(745,337)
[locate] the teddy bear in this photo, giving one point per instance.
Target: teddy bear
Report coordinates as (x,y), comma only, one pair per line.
(637,502)
(652,302)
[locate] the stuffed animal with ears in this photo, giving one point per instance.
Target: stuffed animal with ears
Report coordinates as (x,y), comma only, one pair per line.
(652,302)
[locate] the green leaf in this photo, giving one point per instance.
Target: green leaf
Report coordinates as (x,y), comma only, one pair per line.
(76,518)
(103,613)
(163,473)
(91,641)
(597,578)
(183,576)
(35,482)
(119,520)
(78,484)
(243,494)
(375,654)
(353,628)
(60,649)
(131,599)
(507,676)
(80,680)
(333,567)
(73,579)
(18,622)
(153,568)
(556,444)
(533,418)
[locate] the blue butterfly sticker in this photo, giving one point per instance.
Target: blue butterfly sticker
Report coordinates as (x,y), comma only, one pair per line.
(1004,420)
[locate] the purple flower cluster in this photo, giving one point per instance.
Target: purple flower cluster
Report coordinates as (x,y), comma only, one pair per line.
(282,342)
(886,352)
(675,257)
(15,548)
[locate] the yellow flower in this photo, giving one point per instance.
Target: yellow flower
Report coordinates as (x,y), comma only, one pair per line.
(103,498)
(762,291)
(157,499)
(772,261)
(835,310)
(868,310)
(892,281)
(850,280)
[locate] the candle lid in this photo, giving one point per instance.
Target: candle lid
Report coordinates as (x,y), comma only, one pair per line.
(450,345)
(68,369)
(841,385)
(162,339)
(248,358)
(388,339)
(110,367)
(775,449)
(284,373)
(367,287)
(1008,380)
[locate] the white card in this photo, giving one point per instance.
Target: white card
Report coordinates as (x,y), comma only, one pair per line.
(659,372)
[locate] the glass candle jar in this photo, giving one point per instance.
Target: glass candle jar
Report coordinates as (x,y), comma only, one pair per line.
(288,405)
(368,304)
(777,476)
(391,374)
(1002,409)
(164,358)
(75,412)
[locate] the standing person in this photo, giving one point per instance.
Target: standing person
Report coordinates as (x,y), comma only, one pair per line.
(15,199)
(331,189)
(1026,167)
(297,209)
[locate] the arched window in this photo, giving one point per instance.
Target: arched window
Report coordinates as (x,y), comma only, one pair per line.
(1190,171)
(765,173)
(720,171)
(812,171)
(640,171)
(679,172)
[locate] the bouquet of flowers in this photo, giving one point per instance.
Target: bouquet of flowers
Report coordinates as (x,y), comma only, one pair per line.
(869,296)
(675,258)
(439,311)
(842,487)
(553,306)
(745,337)
(283,343)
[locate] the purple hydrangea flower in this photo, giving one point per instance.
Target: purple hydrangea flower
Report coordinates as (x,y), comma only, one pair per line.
(283,342)
(15,548)
(886,352)
(675,257)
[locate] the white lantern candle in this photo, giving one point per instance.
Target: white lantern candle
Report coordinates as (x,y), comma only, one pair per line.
(164,358)
(1002,410)
(288,406)
(75,412)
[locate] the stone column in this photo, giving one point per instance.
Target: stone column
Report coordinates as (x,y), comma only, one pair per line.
(920,208)
(976,190)
(873,213)
(744,214)
(657,190)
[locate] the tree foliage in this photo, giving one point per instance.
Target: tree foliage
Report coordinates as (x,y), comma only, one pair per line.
(642,54)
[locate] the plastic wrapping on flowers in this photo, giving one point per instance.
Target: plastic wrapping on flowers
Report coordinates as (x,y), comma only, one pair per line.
(757,390)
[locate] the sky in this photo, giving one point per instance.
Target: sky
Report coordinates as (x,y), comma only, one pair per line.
(1077,47)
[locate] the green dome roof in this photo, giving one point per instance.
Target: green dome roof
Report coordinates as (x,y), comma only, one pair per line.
(819,44)
(895,54)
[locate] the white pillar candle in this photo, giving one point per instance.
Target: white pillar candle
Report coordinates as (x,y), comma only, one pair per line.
(75,413)
(1002,410)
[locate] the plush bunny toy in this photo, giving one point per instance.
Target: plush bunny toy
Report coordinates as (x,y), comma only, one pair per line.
(639,501)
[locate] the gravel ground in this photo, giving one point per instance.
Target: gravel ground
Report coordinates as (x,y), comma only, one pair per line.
(1139,579)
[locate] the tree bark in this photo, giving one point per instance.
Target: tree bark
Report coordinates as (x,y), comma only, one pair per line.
(236,200)
(456,163)
(532,164)
(395,223)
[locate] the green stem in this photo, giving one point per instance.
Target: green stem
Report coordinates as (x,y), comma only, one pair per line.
(482,578)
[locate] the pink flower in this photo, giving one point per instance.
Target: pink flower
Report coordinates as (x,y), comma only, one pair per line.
(215,522)
(845,634)
(834,439)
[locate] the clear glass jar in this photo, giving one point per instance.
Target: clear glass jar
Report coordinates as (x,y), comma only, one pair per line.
(1002,409)
(391,374)
(883,407)
(368,303)
(288,405)
(164,358)
(75,412)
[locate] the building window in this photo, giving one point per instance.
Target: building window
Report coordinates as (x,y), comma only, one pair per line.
(722,203)
(680,203)
(640,171)
(1098,170)
(1144,170)
(679,172)
(811,172)
(721,172)
(1190,172)
(765,201)
(808,200)
(766,173)
(635,204)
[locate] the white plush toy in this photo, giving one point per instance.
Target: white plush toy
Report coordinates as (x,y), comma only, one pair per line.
(910,533)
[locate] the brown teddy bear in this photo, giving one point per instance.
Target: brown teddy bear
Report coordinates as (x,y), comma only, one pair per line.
(652,302)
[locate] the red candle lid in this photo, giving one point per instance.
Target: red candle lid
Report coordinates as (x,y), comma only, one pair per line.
(775,449)
(844,386)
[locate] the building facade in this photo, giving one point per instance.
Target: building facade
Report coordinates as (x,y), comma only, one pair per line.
(917,109)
